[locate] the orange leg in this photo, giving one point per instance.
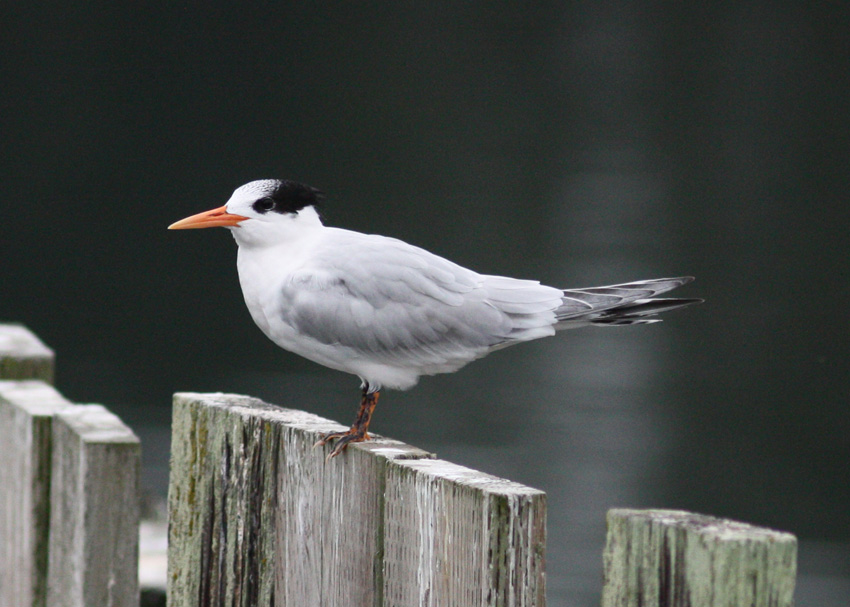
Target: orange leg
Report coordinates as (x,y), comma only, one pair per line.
(358,431)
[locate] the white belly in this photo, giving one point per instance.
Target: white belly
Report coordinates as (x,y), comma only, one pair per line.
(261,280)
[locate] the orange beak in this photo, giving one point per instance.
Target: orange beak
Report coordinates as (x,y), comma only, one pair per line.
(208,219)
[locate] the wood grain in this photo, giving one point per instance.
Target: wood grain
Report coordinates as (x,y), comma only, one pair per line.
(258,516)
(456,536)
(94,518)
(675,559)
(26,419)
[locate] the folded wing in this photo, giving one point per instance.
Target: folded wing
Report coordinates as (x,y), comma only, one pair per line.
(399,303)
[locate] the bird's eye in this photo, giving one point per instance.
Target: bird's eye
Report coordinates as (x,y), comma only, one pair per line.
(264,205)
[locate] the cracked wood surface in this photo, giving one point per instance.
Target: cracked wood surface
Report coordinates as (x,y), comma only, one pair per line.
(260,517)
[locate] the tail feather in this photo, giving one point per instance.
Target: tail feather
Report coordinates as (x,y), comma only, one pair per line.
(635,314)
(623,304)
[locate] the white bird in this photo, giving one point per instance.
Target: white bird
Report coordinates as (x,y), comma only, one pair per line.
(387,311)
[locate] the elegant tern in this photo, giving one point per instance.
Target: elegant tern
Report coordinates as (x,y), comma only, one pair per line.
(387,311)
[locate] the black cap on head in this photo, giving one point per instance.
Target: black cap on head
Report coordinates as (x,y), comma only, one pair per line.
(286,197)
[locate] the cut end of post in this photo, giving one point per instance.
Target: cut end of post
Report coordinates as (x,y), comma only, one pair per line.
(671,557)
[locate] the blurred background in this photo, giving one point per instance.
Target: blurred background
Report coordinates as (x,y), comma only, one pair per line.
(576,143)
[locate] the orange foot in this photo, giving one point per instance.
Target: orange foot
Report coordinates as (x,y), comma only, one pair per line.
(358,431)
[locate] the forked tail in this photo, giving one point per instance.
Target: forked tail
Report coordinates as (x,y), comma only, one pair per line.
(626,304)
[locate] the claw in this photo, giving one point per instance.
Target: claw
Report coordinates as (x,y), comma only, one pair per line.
(329,437)
(349,437)
(358,431)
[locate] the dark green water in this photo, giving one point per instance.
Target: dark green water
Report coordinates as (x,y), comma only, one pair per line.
(575,144)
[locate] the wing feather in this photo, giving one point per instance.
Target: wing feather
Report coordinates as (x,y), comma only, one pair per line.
(389,299)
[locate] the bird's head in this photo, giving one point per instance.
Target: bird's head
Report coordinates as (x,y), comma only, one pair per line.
(266,211)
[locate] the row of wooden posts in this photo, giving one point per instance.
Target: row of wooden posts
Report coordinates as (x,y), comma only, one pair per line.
(259,517)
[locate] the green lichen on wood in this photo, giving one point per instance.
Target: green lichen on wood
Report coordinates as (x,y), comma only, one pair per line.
(675,558)
(275,518)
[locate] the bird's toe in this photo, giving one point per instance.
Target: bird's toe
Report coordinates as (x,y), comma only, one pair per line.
(344,438)
(326,438)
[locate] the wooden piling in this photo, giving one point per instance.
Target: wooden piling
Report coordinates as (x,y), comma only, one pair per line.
(23,355)
(256,512)
(94,518)
(257,516)
(672,558)
(26,420)
(69,501)
(456,536)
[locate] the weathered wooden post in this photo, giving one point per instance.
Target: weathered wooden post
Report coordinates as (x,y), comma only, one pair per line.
(26,420)
(26,414)
(94,516)
(23,356)
(68,490)
(257,516)
(456,536)
(673,558)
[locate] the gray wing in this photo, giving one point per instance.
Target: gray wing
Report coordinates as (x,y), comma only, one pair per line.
(398,302)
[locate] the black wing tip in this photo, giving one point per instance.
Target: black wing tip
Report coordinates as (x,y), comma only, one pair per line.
(657,305)
(679,300)
(644,311)
(620,300)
